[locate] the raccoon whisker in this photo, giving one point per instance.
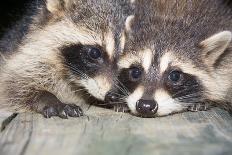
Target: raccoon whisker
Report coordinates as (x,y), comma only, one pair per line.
(123,89)
(80,74)
(76,70)
(187,104)
(186,89)
(118,103)
(122,95)
(189,95)
(192,99)
(123,86)
(85,76)
(189,101)
(78,90)
(101,104)
(120,88)
(113,103)
(120,99)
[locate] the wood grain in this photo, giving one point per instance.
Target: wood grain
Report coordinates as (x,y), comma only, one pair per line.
(104,132)
(4,118)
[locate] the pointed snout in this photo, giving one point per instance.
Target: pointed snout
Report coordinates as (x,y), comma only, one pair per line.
(146,108)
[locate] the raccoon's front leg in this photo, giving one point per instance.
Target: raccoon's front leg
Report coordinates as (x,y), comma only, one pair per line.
(48,105)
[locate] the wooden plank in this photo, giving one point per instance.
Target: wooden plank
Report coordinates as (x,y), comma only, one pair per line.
(4,118)
(15,137)
(104,132)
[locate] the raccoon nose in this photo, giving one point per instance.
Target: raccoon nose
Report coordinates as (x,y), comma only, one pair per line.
(110,97)
(147,108)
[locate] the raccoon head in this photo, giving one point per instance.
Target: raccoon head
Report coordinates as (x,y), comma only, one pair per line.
(81,39)
(158,84)
(172,62)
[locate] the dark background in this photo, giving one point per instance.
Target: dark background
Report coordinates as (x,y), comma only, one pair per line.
(11,11)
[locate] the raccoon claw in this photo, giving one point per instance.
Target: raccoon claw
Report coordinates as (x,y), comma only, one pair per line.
(121,108)
(62,111)
(198,107)
(73,110)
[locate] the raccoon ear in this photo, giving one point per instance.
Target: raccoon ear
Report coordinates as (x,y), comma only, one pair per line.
(55,6)
(214,46)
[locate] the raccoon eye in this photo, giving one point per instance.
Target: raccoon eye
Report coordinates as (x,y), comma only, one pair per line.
(95,53)
(135,73)
(175,76)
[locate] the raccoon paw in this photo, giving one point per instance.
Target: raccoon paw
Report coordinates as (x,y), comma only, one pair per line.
(62,111)
(198,107)
(121,108)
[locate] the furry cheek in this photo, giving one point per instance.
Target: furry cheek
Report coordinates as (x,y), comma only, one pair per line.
(134,97)
(166,104)
(97,86)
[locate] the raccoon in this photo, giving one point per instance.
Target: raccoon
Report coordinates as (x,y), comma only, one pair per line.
(177,57)
(61,54)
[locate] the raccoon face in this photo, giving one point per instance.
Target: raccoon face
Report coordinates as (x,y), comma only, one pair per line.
(152,91)
(90,67)
(82,39)
(166,82)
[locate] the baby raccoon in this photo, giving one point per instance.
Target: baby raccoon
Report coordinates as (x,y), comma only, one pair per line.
(61,54)
(177,57)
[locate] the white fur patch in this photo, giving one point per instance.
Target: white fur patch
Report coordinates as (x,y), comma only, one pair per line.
(166,105)
(134,97)
(110,44)
(127,60)
(164,62)
(97,87)
(132,1)
(65,94)
(129,22)
(122,42)
(54,5)
(147,59)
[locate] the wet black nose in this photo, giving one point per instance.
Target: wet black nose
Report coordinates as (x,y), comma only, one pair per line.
(147,108)
(110,97)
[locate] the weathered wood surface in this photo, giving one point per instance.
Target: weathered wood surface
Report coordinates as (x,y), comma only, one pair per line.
(104,132)
(4,118)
